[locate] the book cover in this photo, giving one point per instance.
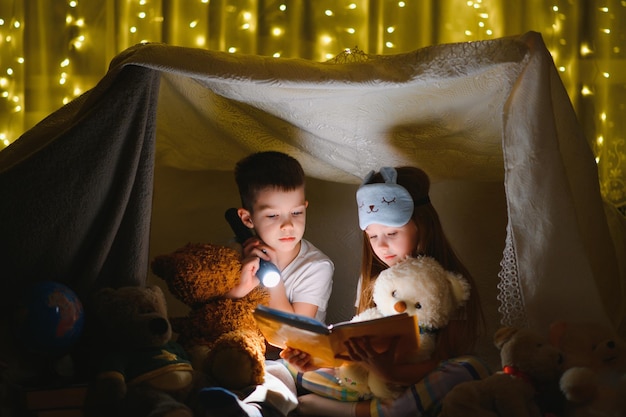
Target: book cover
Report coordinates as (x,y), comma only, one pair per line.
(325,343)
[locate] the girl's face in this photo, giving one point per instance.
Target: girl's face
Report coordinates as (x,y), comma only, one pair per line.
(392,244)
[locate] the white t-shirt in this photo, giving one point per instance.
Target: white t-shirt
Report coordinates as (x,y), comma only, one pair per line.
(309,278)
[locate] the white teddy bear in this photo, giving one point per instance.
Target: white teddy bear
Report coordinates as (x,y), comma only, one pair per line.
(417,286)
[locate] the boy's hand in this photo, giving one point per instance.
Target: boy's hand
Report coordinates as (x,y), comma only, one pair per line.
(256,247)
(301,360)
(248,280)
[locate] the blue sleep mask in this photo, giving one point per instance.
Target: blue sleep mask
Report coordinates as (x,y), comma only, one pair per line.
(385,203)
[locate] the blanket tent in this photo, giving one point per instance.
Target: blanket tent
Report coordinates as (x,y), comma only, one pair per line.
(142,164)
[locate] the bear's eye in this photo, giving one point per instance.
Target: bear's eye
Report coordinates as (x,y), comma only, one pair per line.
(418,305)
(393,293)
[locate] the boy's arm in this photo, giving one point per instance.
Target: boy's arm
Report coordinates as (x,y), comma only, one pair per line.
(248,280)
(279,301)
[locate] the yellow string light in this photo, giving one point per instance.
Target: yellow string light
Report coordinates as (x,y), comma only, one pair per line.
(594,62)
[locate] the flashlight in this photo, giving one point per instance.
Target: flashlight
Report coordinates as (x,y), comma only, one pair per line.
(268,273)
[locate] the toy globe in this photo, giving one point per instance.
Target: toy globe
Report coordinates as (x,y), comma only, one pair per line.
(49,319)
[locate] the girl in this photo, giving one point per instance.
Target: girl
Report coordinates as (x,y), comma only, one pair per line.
(398,220)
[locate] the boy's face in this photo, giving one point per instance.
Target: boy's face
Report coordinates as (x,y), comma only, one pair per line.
(279,217)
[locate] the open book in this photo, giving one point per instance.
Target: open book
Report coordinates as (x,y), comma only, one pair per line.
(325,343)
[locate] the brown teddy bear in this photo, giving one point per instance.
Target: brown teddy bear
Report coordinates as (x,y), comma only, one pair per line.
(140,370)
(594,382)
(220,333)
(531,369)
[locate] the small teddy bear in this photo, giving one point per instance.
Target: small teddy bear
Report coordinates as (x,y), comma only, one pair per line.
(219,333)
(531,368)
(416,286)
(594,382)
(140,370)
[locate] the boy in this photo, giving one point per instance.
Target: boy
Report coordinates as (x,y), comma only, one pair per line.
(271,186)
(272,190)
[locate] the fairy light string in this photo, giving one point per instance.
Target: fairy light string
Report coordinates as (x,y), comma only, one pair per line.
(590,57)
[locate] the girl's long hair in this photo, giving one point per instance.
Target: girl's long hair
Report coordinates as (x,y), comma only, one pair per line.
(431,242)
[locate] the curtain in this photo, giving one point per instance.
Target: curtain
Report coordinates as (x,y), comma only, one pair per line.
(52,51)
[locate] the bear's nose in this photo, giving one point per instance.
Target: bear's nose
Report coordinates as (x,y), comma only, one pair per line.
(158,325)
(400,306)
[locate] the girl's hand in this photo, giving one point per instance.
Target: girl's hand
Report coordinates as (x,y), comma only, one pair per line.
(248,280)
(301,360)
(381,363)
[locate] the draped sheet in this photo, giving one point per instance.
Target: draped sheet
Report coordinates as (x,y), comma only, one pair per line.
(76,189)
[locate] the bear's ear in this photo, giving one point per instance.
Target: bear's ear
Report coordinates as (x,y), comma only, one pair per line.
(460,288)
(158,292)
(503,335)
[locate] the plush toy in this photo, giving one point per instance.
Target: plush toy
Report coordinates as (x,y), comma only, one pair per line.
(531,370)
(417,286)
(140,370)
(594,382)
(220,333)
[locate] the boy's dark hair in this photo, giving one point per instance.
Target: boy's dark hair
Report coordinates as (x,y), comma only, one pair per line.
(269,169)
